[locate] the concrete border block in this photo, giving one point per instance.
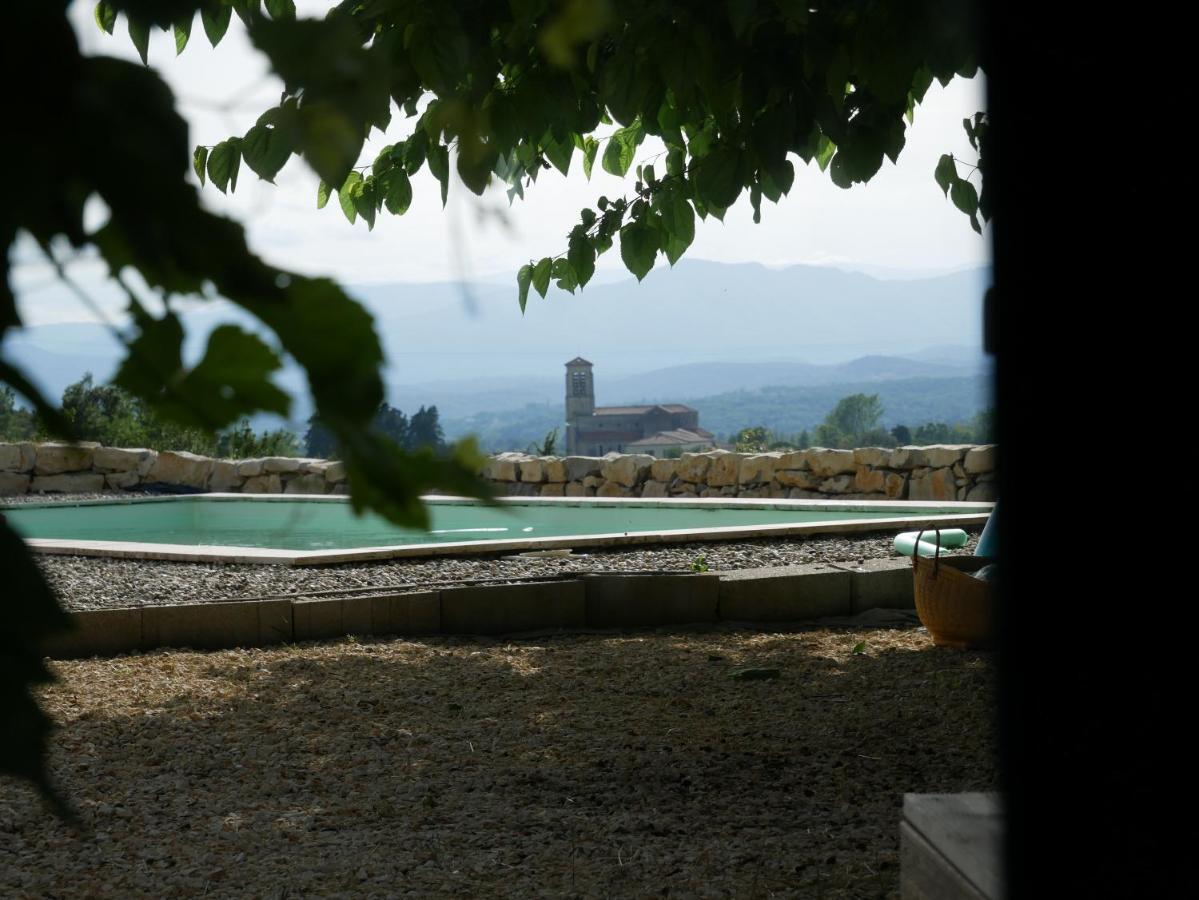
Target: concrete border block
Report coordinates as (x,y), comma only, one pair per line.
(97,632)
(315,620)
(276,622)
(203,626)
(507,608)
(357,616)
(634,601)
(881,584)
(414,613)
(785,593)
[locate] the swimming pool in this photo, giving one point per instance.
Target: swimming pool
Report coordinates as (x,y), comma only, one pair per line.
(314,530)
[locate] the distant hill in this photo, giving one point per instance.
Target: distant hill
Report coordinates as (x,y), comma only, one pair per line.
(786,409)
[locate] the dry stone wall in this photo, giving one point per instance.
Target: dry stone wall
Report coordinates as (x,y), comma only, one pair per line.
(941,472)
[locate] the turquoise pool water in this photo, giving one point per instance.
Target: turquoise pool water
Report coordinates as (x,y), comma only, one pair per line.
(312,526)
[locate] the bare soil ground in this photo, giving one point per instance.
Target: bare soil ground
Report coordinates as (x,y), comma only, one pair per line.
(587,765)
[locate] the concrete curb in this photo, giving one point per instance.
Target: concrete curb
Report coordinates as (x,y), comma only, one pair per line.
(782,594)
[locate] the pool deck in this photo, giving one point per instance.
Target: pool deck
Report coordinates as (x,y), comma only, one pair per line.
(910,515)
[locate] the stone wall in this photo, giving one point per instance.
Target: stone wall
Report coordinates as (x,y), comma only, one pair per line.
(87,467)
(942,472)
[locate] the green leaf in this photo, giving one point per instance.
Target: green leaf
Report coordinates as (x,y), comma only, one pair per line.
(825,149)
(639,244)
(364,201)
(397,192)
(946,173)
(183,31)
(558,152)
(590,148)
(330,140)
(415,149)
(223,164)
(964,196)
(215,18)
(859,648)
(541,276)
(439,167)
(718,178)
(345,195)
(106,16)
(523,279)
(139,33)
(678,222)
(564,275)
(281,9)
(199,160)
(266,151)
(581,254)
(618,155)
(322,195)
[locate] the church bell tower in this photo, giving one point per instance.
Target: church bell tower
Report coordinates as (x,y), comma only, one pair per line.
(580,398)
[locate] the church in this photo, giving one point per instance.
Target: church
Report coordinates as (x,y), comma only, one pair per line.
(660,430)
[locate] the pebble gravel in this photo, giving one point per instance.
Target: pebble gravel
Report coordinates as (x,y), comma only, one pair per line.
(99,583)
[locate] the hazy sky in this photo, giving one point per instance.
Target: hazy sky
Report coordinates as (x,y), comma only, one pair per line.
(900,221)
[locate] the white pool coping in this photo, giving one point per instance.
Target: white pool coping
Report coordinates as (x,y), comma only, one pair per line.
(920,513)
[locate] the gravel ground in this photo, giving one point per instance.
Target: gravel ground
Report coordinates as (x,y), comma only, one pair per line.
(97,583)
(626,765)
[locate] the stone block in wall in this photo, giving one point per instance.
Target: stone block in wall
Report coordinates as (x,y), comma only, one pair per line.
(980,459)
(795,459)
(531,470)
(654,488)
(306,484)
(555,469)
(940,456)
(778,492)
(895,486)
(341,488)
(592,481)
(524,489)
(801,494)
(580,467)
(250,468)
(612,489)
(575,489)
(693,467)
(904,458)
(119,459)
(263,484)
(758,468)
(180,467)
(868,480)
(224,477)
(54,459)
(13,483)
(628,470)
(793,478)
(503,467)
(67,483)
(679,488)
(828,463)
(20,457)
(281,464)
(838,484)
(553,489)
(753,493)
(983,492)
(121,481)
(663,470)
(876,457)
(724,469)
(335,472)
(937,484)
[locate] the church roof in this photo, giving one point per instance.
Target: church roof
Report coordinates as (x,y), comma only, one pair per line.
(639,410)
(668,438)
(578,361)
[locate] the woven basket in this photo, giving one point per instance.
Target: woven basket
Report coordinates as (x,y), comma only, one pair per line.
(957,609)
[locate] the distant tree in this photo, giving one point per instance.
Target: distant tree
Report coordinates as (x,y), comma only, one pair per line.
(394,424)
(855,415)
(548,445)
(321,443)
(113,417)
(16,423)
(804,441)
(876,437)
(752,440)
(424,430)
(983,426)
(241,442)
(902,435)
